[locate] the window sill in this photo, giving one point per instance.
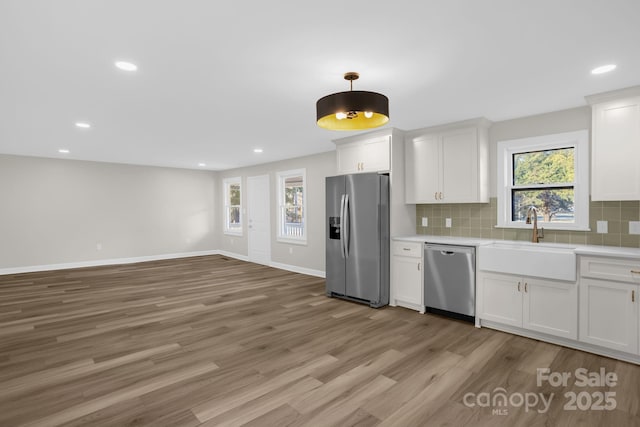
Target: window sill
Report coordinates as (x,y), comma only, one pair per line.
(288,240)
(554,227)
(231,233)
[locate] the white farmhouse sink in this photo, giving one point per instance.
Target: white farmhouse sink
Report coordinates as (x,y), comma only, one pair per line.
(548,260)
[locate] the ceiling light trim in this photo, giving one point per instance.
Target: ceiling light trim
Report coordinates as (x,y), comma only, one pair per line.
(126,65)
(604,69)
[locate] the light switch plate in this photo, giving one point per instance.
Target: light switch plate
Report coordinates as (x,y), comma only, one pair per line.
(425,221)
(602,227)
(447,222)
(634,227)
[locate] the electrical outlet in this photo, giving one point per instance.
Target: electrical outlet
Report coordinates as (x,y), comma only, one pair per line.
(634,227)
(602,227)
(425,221)
(447,222)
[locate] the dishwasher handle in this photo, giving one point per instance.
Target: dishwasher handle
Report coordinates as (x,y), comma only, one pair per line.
(449,249)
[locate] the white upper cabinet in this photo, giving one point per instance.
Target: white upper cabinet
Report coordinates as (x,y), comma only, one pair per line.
(367,155)
(448,164)
(615,145)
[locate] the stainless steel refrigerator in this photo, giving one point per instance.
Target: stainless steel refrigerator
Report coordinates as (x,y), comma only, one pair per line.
(357,238)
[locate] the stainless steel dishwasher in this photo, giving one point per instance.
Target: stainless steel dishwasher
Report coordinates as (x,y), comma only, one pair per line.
(450,280)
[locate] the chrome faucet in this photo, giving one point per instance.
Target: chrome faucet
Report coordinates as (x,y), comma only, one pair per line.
(535,235)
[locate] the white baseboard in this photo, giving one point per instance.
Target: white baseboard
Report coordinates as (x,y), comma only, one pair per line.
(115,261)
(296,269)
(234,255)
(100,262)
(278,265)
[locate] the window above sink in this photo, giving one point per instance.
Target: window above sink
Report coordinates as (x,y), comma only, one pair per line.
(548,172)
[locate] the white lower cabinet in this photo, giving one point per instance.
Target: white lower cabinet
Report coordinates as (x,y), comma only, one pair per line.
(609,313)
(500,298)
(540,305)
(407,275)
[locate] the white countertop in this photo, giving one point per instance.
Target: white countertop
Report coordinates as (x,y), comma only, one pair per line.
(591,250)
(446,240)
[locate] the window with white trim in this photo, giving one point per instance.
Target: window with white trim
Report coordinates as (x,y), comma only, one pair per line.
(548,172)
(232,190)
(292,195)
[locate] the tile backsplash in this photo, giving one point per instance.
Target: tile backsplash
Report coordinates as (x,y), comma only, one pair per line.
(479,220)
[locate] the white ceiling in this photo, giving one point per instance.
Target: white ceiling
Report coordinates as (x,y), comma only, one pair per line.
(218,79)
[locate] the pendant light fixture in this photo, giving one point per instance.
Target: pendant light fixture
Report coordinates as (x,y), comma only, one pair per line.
(352,110)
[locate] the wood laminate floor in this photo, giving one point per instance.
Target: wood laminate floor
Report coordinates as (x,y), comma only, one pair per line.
(215,341)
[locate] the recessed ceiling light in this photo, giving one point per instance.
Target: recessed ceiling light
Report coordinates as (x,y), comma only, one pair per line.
(126,66)
(83,125)
(603,69)
(63,151)
(257,150)
(202,165)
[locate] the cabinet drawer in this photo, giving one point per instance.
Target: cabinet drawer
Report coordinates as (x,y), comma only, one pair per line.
(620,270)
(410,249)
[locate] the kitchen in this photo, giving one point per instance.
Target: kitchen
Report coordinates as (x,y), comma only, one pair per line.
(342,362)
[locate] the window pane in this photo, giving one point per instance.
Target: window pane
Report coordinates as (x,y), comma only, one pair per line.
(294,221)
(291,194)
(553,205)
(234,217)
(543,167)
(293,191)
(234,194)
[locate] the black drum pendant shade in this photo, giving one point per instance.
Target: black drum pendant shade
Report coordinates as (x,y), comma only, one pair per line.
(352,110)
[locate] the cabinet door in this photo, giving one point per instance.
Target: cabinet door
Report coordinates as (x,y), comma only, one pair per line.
(551,307)
(608,316)
(459,166)
(501,298)
(349,158)
(364,156)
(616,150)
(422,169)
(376,155)
(407,282)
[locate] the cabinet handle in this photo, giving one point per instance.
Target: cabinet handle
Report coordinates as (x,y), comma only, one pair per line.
(441,195)
(633,296)
(518,286)
(435,195)
(525,286)
(418,266)
(635,272)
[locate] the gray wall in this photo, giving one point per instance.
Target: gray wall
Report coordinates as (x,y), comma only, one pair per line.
(525,127)
(57,211)
(309,256)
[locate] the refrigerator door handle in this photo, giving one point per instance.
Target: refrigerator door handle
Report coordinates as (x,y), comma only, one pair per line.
(342,226)
(347,217)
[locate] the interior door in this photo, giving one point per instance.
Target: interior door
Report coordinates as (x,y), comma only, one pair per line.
(259,224)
